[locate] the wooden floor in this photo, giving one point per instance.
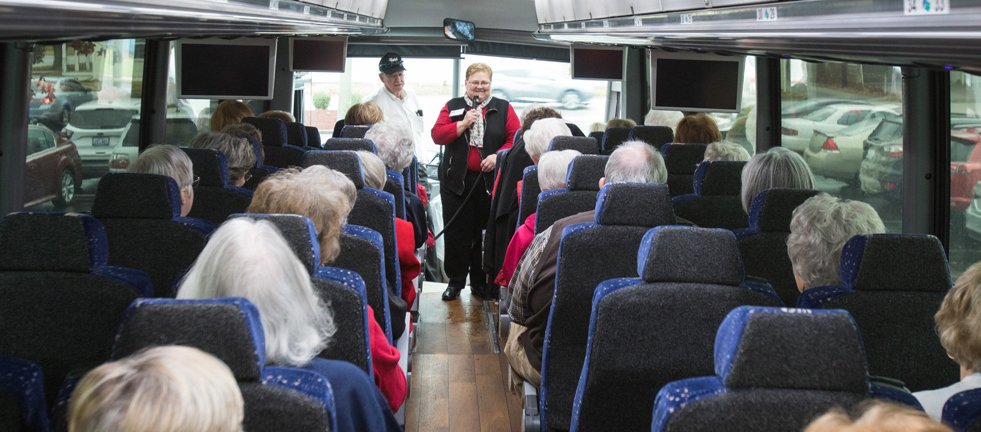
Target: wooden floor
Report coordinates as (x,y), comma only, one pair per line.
(458,382)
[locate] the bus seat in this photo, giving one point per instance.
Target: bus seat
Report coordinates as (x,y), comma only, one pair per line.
(715,202)
(230,329)
(361,252)
(313,137)
(655,136)
(597,135)
(260,171)
(55,282)
(354,131)
(893,284)
(775,370)
(763,244)
(141,214)
(681,160)
(394,185)
(22,405)
(612,139)
(528,200)
(691,278)
(275,142)
(582,185)
(962,411)
(589,254)
(214,198)
(353,144)
(584,145)
(296,134)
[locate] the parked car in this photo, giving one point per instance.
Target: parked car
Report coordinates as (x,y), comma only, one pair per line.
(179,131)
(54,99)
(97,129)
(53,170)
(881,171)
(794,109)
(535,86)
(965,164)
(972,217)
(838,155)
(795,133)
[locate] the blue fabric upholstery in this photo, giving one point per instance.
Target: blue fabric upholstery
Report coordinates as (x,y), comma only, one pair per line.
(299,232)
(137,196)
(351,144)
(679,394)
(718,178)
(963,411)
(395,186)
(584,145)
(895,262)
(585,172)
(690,254)
(215,198)
(715,202)
(634,204)
(528,201)
(353,281)
(273,130)
(296,134)
(313,137)
(613,137)
(655,136)
(304,381)
(345,162)
(354,131)
(81,244)
(22,384)
(681,160)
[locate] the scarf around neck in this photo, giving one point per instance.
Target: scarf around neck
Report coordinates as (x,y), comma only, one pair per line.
(477,128)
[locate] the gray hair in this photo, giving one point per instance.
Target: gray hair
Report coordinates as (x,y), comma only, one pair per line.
(819,229)
(373,169)
(238,151)
(251,259)
(394,142)
(541,133)
(725,151)
(635,162)
(553,168)
(777,168)
(167,160)
(663,118)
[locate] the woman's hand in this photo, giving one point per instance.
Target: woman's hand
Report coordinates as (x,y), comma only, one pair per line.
(488,163)
(467,121)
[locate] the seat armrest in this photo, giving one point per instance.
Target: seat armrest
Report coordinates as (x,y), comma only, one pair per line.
(532,420)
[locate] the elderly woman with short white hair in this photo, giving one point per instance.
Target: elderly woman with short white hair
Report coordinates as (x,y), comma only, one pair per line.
(396,149)
(777,168)
(538,137)
(725,151)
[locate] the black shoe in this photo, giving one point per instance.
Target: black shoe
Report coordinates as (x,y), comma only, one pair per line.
(479,291)
(451,293)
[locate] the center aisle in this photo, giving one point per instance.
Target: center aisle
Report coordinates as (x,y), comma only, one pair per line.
(458,382)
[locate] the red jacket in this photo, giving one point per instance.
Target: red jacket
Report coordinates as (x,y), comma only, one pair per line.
(516,248)
(408,263)
(389,376)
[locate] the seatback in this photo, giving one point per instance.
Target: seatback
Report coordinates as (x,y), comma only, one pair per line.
(353,144)
(361,252)
(763,244)
(775,370)
(612,139)
(394,185)
(584,145)
(230,329)
(61,302)
(715,202)
(296,134)
(275,142)
(893,284)
(962,411)
(646,332)
(655,136)
(22,404)
(589,254)
(214,199)
(681,160)
(261,170)
(528,201)
(598,136)
(582,185)
(354,131)
(313,137)
(141,214)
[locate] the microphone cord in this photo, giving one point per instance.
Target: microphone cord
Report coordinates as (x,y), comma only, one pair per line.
(476,105)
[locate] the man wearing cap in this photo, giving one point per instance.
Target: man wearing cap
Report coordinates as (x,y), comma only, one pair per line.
(396,101)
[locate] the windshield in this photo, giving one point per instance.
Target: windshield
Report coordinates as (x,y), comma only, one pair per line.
(101,118)
(821,114)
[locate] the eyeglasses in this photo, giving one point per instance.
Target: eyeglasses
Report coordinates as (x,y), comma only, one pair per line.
(479,83)
(247,176)
(196,181)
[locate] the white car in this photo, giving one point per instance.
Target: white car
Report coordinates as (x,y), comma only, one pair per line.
(181,128)
(795,133)
(97,130)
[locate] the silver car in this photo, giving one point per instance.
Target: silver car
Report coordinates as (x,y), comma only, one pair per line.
(535,86)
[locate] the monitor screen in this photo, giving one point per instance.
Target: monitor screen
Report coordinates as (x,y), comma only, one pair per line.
(319,54)
(696,82)
(597,63)
(226,69)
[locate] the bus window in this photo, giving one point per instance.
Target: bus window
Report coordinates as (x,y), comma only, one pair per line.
(965,171)
(846,121)
(734,127)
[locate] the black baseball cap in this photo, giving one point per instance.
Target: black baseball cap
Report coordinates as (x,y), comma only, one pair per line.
(390,63)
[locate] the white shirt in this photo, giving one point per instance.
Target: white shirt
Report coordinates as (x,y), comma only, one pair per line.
(406,110)
(933,400)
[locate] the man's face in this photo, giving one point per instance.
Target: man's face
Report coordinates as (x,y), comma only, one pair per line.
(393,82)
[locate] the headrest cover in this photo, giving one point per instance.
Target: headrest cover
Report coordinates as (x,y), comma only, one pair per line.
(713,178)
(614,137)
(634,204)
(354,131)
(227,328)
(137,196)
(296,134)
(353,144)
(585,172)
(529,170)
(689,254)
(770,347)
(52,242)
(895,262)
(298,231)
(682,158)
(313,137)
(210,165)
(345,162)
(257,149)
(653,135)
(772,209)
(584,145)
(273,130)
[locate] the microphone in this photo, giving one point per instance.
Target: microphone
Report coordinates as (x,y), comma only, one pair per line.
(476,102)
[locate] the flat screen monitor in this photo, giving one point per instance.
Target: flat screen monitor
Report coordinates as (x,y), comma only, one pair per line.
(226,69)
(696,82)
(319,54)
(605,63)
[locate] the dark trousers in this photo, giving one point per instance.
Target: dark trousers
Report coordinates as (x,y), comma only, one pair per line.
(462,237)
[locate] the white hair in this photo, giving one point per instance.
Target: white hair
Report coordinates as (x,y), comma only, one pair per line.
(373,169)
(394,142)
(635,162)
(541,133)
(725,151)
(777,168)
(251,259)
(663,118)
(819,230)
(167,160)
(553,168)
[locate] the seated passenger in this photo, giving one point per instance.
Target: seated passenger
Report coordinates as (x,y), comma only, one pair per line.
(326,197)
(777,168)
(238,153)
(161,389)
(279,115)
(538,136)
(958,321)
(251,259)
(229,112)
(819,229)
(552,170)
(697,129)
(396,149)
(663,118)
(875,416)
(620,123)
(533,283)
(726,151)
(365,113)
(170,161)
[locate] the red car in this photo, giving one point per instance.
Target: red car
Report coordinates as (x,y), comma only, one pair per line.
(965,165)
(53,168)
